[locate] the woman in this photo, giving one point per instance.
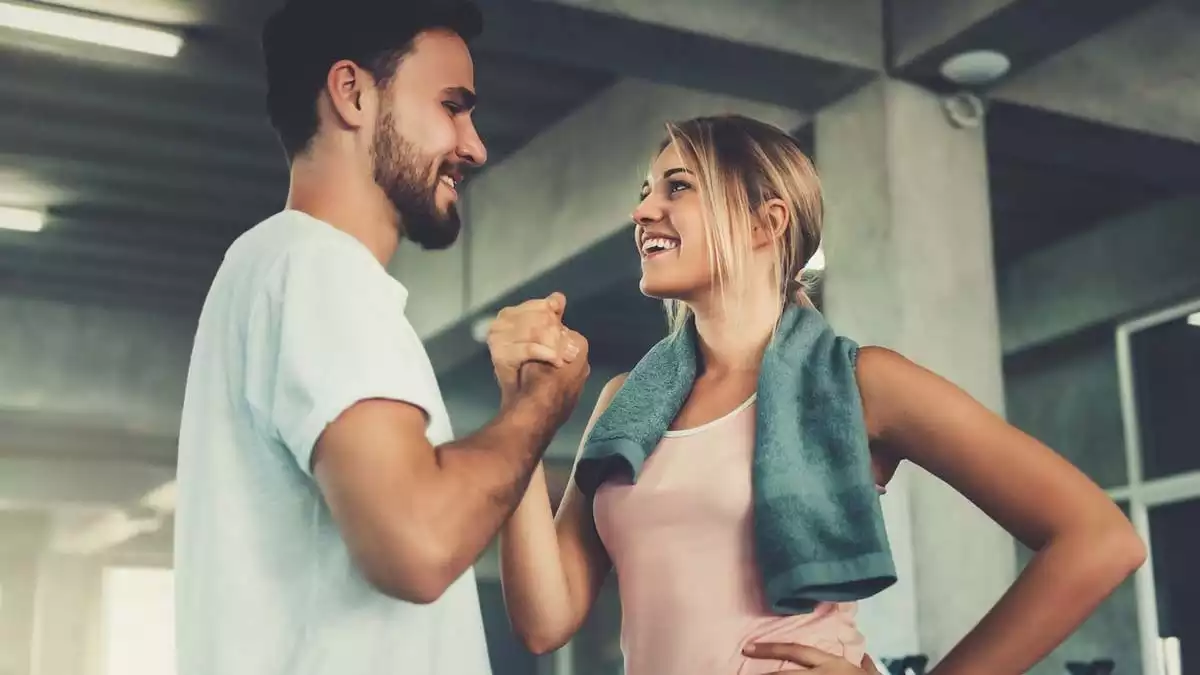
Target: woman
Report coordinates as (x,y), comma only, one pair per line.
(730,213)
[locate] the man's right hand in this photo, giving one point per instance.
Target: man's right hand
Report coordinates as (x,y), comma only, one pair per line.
(557,386)
(530,331)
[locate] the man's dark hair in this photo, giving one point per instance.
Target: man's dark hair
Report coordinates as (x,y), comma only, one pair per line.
(304,38)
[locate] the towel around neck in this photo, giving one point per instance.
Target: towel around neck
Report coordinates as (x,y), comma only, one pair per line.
(818,524)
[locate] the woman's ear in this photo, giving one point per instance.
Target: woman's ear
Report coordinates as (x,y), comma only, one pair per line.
(773,220)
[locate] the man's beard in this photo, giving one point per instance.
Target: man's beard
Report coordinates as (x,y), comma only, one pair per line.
(399,173)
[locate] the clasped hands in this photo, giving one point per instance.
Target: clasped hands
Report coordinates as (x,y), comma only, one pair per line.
(532,332)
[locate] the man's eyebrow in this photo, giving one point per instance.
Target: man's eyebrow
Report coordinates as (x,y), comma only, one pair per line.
(466,97)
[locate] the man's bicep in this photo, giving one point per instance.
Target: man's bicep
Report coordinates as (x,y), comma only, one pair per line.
(375,432)
(370,465)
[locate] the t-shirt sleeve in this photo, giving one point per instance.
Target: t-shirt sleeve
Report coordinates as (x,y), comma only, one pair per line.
(329,332)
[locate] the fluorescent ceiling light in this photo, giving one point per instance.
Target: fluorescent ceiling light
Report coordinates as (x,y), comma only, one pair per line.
(88,28)
(22,220)
(1194,319)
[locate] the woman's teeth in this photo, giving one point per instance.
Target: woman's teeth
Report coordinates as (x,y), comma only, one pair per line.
(450,182)
(658,245)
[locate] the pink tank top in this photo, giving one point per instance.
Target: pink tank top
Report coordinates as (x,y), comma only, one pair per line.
(680,542)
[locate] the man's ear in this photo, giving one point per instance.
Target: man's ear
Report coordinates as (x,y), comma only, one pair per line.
(351,92)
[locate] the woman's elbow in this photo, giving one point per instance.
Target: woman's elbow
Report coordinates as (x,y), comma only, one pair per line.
(541,633)
(1128,549)
(545,643)
(1119,548)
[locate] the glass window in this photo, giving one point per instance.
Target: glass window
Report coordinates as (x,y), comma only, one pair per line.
(1070,399)
(139,621)
(1166,373)
(1176,561)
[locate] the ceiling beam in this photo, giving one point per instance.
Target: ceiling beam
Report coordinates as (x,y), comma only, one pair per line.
(67,132)
(151,232)
(699,58)
(137,98)
(105,293)
(163,188)
(839,31)
(147,220)
(30,266)
(1058,140)
(33,482)
(924,33)
(1110,273)
(1139,75)
(210,63)
(51,245)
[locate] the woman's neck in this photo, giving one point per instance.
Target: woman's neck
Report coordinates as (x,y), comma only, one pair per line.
(734,334)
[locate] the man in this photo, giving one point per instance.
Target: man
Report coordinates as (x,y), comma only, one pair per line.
(327,522)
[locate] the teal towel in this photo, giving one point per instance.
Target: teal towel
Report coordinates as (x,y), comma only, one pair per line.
(818,525)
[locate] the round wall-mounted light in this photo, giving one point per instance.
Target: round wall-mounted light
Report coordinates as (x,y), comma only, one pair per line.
(976,67)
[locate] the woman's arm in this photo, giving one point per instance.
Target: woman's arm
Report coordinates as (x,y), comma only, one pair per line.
(1084,545)
(552,568)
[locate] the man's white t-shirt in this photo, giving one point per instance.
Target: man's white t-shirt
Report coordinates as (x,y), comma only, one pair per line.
(301,322)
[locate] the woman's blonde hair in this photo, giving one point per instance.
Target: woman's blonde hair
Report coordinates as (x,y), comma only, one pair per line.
(740,164)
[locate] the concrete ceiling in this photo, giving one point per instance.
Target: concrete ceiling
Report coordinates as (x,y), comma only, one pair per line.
(150,168)
(1140,75)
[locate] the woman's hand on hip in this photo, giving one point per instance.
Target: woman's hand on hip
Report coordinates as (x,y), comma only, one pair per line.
(810,659)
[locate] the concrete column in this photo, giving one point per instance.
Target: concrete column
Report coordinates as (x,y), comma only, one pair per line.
(22,538)
(18,576)
(69,614)
(909,259)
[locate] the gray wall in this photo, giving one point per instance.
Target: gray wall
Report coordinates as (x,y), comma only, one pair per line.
(1060,308)
(1068,397)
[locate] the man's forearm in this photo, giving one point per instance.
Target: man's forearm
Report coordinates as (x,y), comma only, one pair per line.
(484,476)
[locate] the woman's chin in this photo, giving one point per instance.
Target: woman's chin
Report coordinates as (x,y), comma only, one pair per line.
(661,291)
